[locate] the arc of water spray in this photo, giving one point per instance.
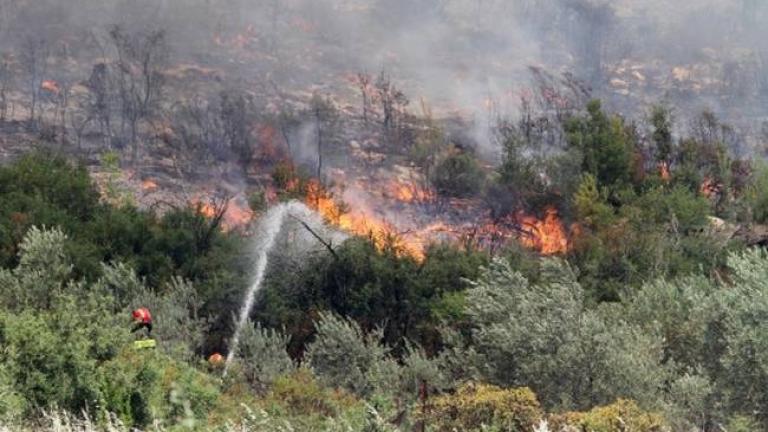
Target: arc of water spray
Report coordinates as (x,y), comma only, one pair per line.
(270,227)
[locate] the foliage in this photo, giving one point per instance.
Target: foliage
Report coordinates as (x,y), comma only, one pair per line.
(41,274)
(62,349)
(375,288)
(620,416)
(263,354)
(143,388)
(457,175)
(589,204)
(476,407)
(301,394)
(651,304)
(742,423)
(543,336)
(661,120)
(12,403)
(176,317)
(343,356)
(46,190)
(604,144)
(757,194)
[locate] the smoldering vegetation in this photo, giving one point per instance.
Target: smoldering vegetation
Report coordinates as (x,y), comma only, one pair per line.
(464,57)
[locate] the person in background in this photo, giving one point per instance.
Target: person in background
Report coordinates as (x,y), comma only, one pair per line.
(142,319)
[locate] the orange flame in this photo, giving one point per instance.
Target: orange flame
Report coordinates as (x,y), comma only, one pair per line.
(50,86)
(408,193)
(710,188)
(236,215)
(664,171)
(360,222)
(148,185)
(548,236)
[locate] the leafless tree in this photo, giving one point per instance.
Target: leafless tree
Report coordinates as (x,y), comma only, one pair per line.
(286,119)
(707,129)
(33,58)
(78,120)
(196,136)
(325,117)
(213,213)
(287,122)
(139,62)
(56,95)
(6,79)
(393,103)
(363,81)
(237,112)
(98,106)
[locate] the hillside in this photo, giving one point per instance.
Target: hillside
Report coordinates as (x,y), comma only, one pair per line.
(383,215)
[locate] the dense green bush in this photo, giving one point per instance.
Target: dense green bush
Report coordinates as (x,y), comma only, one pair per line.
(46,190)
(262,355)
(478,407)
(458,175)
(63,337)
(145,387)
(375,288)
(623,415)
(545,337)
(343,356)
(604,143)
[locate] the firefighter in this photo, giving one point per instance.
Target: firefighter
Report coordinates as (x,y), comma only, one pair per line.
(142,319)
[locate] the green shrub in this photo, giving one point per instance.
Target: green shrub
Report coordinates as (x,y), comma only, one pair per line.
(301,395)
(343,356)
(544,336)
(143,387)
(458,175)
(623,415)
(49,360)
(477,406)
(742,423)
(263,355)
(12,403)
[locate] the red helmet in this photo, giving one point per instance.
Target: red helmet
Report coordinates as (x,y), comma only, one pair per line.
(216,359)
(142,315)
